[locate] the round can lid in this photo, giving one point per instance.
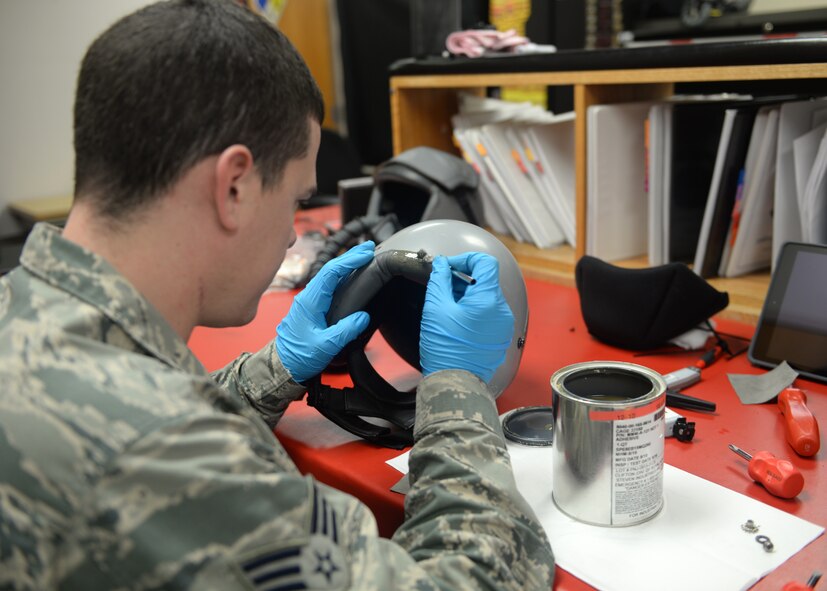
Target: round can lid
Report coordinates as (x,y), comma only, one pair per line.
(529,425)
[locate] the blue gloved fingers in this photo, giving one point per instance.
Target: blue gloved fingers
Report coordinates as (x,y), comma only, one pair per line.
(439,283)
(306,349)
(347,329)
(304,342)
(484,268)
(471,332)
(459,263)
(481,266)
(357,256)
(319,292)
(462,262)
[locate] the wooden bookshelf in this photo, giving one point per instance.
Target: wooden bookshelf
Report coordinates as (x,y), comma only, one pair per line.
(422,105)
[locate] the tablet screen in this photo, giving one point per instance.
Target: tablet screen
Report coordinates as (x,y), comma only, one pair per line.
(793,324)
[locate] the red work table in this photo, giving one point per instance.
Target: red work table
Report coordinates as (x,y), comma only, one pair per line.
(558,337)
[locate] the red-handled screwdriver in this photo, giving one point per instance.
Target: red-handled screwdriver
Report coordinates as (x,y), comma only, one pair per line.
(779,477)
(710,357)
(810,584)
(799,423)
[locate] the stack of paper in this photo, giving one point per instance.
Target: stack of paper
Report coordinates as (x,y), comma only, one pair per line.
(524,156)
(553,146)
(721,181)
(695,542)
(780,194)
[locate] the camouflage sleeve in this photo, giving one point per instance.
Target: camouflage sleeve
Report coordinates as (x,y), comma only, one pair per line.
(207,501)
(263,381)
(466,523)
(210,501)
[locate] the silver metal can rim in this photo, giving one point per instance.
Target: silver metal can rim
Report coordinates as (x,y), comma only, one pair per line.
(658,385)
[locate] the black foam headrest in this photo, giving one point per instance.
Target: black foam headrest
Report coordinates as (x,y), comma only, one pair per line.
(643,308)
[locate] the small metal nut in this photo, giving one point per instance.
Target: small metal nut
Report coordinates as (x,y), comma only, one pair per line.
(765,542)
(750,526)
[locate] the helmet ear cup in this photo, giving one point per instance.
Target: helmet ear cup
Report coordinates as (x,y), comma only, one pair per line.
(391,288)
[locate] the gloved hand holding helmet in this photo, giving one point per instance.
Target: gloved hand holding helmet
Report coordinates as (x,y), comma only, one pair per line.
(306,343)
(465,326)
(429,319)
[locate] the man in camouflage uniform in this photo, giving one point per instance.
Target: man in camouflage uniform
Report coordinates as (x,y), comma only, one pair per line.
(123,464)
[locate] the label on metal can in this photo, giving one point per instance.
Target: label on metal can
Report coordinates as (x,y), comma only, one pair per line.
(637,467)
(608,442)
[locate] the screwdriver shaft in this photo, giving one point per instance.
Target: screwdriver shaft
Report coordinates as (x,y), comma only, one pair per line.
(740,452)
(463,277)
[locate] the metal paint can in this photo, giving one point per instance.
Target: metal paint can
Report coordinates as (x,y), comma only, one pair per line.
(608,442)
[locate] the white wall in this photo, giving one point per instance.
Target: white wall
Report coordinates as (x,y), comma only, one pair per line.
(41,45)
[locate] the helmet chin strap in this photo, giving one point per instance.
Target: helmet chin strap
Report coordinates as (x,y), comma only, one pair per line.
(371,395)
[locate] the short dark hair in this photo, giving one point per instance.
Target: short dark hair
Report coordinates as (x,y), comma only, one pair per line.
(181,80)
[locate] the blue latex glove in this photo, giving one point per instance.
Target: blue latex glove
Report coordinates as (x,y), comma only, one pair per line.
(465,326)
(305,343)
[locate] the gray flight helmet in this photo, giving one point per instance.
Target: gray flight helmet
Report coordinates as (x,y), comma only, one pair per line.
(449,238)
(391,288)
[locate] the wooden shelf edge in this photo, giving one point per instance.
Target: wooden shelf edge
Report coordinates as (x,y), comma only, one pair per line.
(628,76)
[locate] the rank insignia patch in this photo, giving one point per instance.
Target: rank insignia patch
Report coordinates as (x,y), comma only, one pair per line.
(319,564)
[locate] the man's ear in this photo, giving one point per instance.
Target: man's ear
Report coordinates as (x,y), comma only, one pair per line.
(234,173)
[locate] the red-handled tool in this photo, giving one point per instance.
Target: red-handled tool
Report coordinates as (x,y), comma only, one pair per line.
(810,584)
(799,423)
(709,357)
(779,477)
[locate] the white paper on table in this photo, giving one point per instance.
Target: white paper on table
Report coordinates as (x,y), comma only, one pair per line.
(304,424)
(695,542)
(400,462)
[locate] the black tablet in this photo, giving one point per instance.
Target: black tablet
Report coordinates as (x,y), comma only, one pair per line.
(793,323)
